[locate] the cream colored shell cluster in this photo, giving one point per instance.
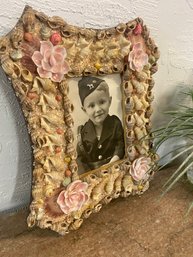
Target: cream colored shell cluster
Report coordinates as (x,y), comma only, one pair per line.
(48,111)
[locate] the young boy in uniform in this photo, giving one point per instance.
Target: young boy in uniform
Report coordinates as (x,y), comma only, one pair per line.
(101,138)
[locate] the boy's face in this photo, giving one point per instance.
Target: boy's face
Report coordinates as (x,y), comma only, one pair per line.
(96,106)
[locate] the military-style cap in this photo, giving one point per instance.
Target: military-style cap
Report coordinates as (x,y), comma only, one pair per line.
(87,85)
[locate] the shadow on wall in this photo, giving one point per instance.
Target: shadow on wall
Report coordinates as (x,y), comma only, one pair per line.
(15,153)
(172,101)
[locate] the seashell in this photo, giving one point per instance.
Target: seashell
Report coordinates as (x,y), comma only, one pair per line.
(38,175)
(126,193)
(11,68)
(127,183)
(16,36)
(26,75)
(85,52)
(72,51)
(144,102)
(64,88)
(116,194)
(138,120)
(49,190)
(141,149)
(121,28)
(87,33)
(129,104)
(156,52)
(130,121)
(99,45)
(128,87)
(97,208)
(56,22)
(61,227)
(139,133)
(76,70)
(76,224)
(46,84)
(132,153)
(49,99)
(126,166)
(20,87)
(112,44)
(150,96)
(55,162)
(131,25)
(127,74)
(105,70)
(54,118)
(70,151)
(67,104)
(98,191)
(139,87)
(87,213)
(68,120)
(101,34)
(73,166)
(138,103)
(125,51)
(118,185)
(124,42)
(118,67)
(90,70)
(154,68)
(110,184)
(69,42)
(69,31)
(41,16)
(141,76)
(83,43)
(37,192)
(31,220)
(106,199)
(110,32)
(130,137)
(16,55)
(28,18)
(103,173)
(45,32)
(3,45)
(112,53)
(69,136)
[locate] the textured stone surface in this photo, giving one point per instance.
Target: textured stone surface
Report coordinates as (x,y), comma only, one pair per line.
(142,227)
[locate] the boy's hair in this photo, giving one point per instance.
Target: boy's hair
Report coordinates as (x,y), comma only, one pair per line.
(88,84)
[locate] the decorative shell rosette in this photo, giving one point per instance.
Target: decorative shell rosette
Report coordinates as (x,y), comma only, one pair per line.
(50,61)
(137,58)
(140,168)
(73,197)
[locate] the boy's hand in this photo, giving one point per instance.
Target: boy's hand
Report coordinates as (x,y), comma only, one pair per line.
(114,158)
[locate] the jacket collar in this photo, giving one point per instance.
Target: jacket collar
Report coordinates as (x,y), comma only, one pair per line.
(90,133)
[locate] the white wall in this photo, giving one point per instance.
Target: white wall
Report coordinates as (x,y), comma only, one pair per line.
(171,24)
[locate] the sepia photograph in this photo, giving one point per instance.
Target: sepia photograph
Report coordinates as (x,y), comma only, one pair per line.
(98,126)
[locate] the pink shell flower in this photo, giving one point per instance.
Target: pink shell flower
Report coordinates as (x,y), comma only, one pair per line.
(73,198)
(50,61)
(139,169)
(137,58)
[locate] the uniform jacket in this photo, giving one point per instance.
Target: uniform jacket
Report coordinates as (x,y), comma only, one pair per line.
(93,152)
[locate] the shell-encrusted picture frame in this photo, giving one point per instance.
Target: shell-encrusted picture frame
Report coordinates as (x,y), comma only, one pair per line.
(45,58)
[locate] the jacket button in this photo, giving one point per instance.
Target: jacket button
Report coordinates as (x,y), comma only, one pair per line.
(100,157)
(100,146)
